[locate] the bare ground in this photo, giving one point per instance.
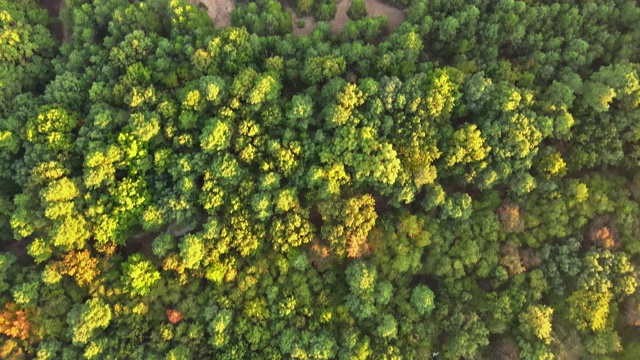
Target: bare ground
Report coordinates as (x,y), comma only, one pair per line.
(378,8)
(309,24)
(219,10)
(341,19)
(374,8)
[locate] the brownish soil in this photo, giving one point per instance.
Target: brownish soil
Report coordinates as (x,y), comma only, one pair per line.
(374,8)
(378,8)
(219,10)
(341,19)
(309,24)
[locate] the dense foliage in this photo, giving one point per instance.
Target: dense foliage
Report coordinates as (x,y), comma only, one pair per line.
(464,187)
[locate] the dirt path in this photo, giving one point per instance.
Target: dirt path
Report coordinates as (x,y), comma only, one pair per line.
(59,29)
(341,19)
(219,10)
(394,15)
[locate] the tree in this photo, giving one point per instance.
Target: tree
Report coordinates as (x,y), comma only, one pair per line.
(347,224)
(264,17)
(589,309)
(422,299)
(138,275)
(80,265)
(162,244)
(345,196)
(192,251)
(25,51)
(357,10)
(325,10)
(85,319)
(536,321)
(304,7)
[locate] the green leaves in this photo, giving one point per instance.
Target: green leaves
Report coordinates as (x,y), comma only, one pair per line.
(85,319)
(138,275)
(536,321)
(216,136)
(192,251)
(422,299)
(357,10)
(589,309)
(331,188)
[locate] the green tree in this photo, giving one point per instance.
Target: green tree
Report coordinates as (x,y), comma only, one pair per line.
(422,299)
(357,10)
(85,319)
(139,275)
(537,321)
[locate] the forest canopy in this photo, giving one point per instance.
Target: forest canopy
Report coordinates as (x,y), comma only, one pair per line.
(464,186)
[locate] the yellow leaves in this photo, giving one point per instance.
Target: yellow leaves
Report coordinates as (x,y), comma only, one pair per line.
(5,17)
(201,59)
(606,97)
(48,171)
(257,309)
(512,101)
(129,144)
(70,233)
(80,265)
(52,120)
(263,89)
(350,97)
(59,210)
(335,176)
(235,34)
(249,128)
(212,91)
(440,99)
(102,157)
(216,136)
(347,100)
(325,316)
(537,320)
(553,165)
(589,309)
(60,190)
(411,41)
(469,146)
(9,37)
(177,7)
(579,192)
(8,140)
(192,100)
(139,96)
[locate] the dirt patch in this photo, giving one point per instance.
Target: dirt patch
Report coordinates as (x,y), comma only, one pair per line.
(219,10)
(374,8)
(378,8)
(341,19)
(309,24)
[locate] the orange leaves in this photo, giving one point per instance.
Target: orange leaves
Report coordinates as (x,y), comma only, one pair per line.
(357,247)
(14,322)
(80,265)
(510,218)
(603,233)
(174,316)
